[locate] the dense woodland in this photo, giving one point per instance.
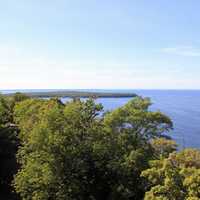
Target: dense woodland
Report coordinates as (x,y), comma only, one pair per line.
(76,151)
(75,94)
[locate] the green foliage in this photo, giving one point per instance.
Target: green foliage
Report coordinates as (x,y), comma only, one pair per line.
(163,147)
(136,118)
(176,177)
(70,152)
(5,111)
(74,151)
(8,142)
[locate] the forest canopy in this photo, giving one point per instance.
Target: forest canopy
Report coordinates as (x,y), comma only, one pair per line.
(76,151)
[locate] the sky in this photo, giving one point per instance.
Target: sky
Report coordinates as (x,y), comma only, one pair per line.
(99,44)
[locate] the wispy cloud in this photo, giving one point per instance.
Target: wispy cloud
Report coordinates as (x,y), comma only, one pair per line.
(189,51)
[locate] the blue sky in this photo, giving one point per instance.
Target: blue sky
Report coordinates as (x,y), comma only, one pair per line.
(100,44)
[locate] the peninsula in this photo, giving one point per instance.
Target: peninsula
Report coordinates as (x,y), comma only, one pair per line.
(75,94)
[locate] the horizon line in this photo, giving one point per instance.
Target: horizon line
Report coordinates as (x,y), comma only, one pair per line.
(13,89)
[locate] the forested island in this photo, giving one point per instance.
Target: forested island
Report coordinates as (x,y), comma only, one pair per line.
(50,150)
(75,94)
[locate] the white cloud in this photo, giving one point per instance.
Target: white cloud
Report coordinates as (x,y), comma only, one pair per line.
(189,51)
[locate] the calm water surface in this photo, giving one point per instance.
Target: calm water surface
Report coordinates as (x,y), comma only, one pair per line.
(182,106)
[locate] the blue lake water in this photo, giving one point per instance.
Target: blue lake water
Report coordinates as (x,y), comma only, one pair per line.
(182,106)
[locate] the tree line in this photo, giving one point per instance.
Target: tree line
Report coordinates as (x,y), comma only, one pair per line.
(75,151)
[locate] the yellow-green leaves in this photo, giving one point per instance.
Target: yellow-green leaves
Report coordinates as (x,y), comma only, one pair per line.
(176,177)
(163,147)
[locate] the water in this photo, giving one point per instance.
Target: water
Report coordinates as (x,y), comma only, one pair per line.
(182,106)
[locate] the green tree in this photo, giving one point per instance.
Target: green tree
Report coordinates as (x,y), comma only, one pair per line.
(8,143)
(163,147)
(174,178)
(71,152)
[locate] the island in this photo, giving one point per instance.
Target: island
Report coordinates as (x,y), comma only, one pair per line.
(75,94)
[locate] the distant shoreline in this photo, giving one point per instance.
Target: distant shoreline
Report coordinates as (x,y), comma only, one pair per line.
(75,94)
